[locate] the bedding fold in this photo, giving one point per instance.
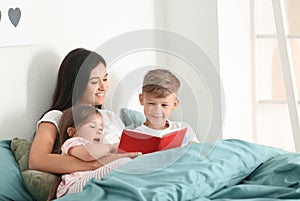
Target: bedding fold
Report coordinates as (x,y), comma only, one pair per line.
(188,173)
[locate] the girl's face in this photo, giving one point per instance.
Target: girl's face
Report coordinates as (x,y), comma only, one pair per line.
(95,91)
(157,110)
(92,130)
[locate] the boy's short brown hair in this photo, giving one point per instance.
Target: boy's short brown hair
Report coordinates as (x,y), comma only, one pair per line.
(161,83)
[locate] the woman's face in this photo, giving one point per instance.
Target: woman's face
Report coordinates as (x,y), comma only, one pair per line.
(95,91)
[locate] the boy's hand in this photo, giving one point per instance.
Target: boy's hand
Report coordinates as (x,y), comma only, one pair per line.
(132,154)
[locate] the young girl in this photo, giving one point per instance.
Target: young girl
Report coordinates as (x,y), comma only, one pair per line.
(81,135)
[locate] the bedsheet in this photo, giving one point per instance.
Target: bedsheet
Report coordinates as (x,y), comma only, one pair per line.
(223,170)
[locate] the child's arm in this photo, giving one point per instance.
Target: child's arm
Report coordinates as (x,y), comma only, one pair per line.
(90,152)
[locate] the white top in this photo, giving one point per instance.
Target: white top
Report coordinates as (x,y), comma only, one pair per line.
(113,125)
(190,135)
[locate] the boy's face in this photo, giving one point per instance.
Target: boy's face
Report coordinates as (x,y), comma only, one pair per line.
(158,110)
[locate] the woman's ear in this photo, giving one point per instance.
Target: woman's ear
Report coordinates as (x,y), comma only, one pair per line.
(71,132)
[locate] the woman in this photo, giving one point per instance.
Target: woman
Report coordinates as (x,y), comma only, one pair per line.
(82,79)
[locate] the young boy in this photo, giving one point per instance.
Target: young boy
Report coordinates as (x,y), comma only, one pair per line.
(159,98)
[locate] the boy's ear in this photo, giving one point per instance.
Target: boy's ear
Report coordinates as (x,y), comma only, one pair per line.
(71,132)
(141,98)
(175,104)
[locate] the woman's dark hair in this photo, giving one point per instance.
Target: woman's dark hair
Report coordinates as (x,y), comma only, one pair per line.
(74,117)
(73,75)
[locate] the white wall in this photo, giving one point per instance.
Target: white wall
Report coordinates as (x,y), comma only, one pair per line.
(28,72)
(197,21)
(273,119)
(235,68)
(246,116)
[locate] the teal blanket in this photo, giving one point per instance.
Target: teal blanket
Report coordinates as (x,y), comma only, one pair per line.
(224,170)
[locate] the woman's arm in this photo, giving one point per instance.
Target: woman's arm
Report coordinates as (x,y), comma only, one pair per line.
(41,158)
(91,152)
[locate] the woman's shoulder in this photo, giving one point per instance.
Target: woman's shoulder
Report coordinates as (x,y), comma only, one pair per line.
(107,112)
(111,119)
(52,113)
(52,116)
(108,115)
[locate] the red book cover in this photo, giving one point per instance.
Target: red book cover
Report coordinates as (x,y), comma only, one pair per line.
(133,141)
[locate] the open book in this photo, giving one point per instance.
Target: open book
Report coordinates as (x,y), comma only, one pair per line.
(133,141)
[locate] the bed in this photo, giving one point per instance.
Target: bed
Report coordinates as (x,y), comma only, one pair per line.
(232,170)
(224,170)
